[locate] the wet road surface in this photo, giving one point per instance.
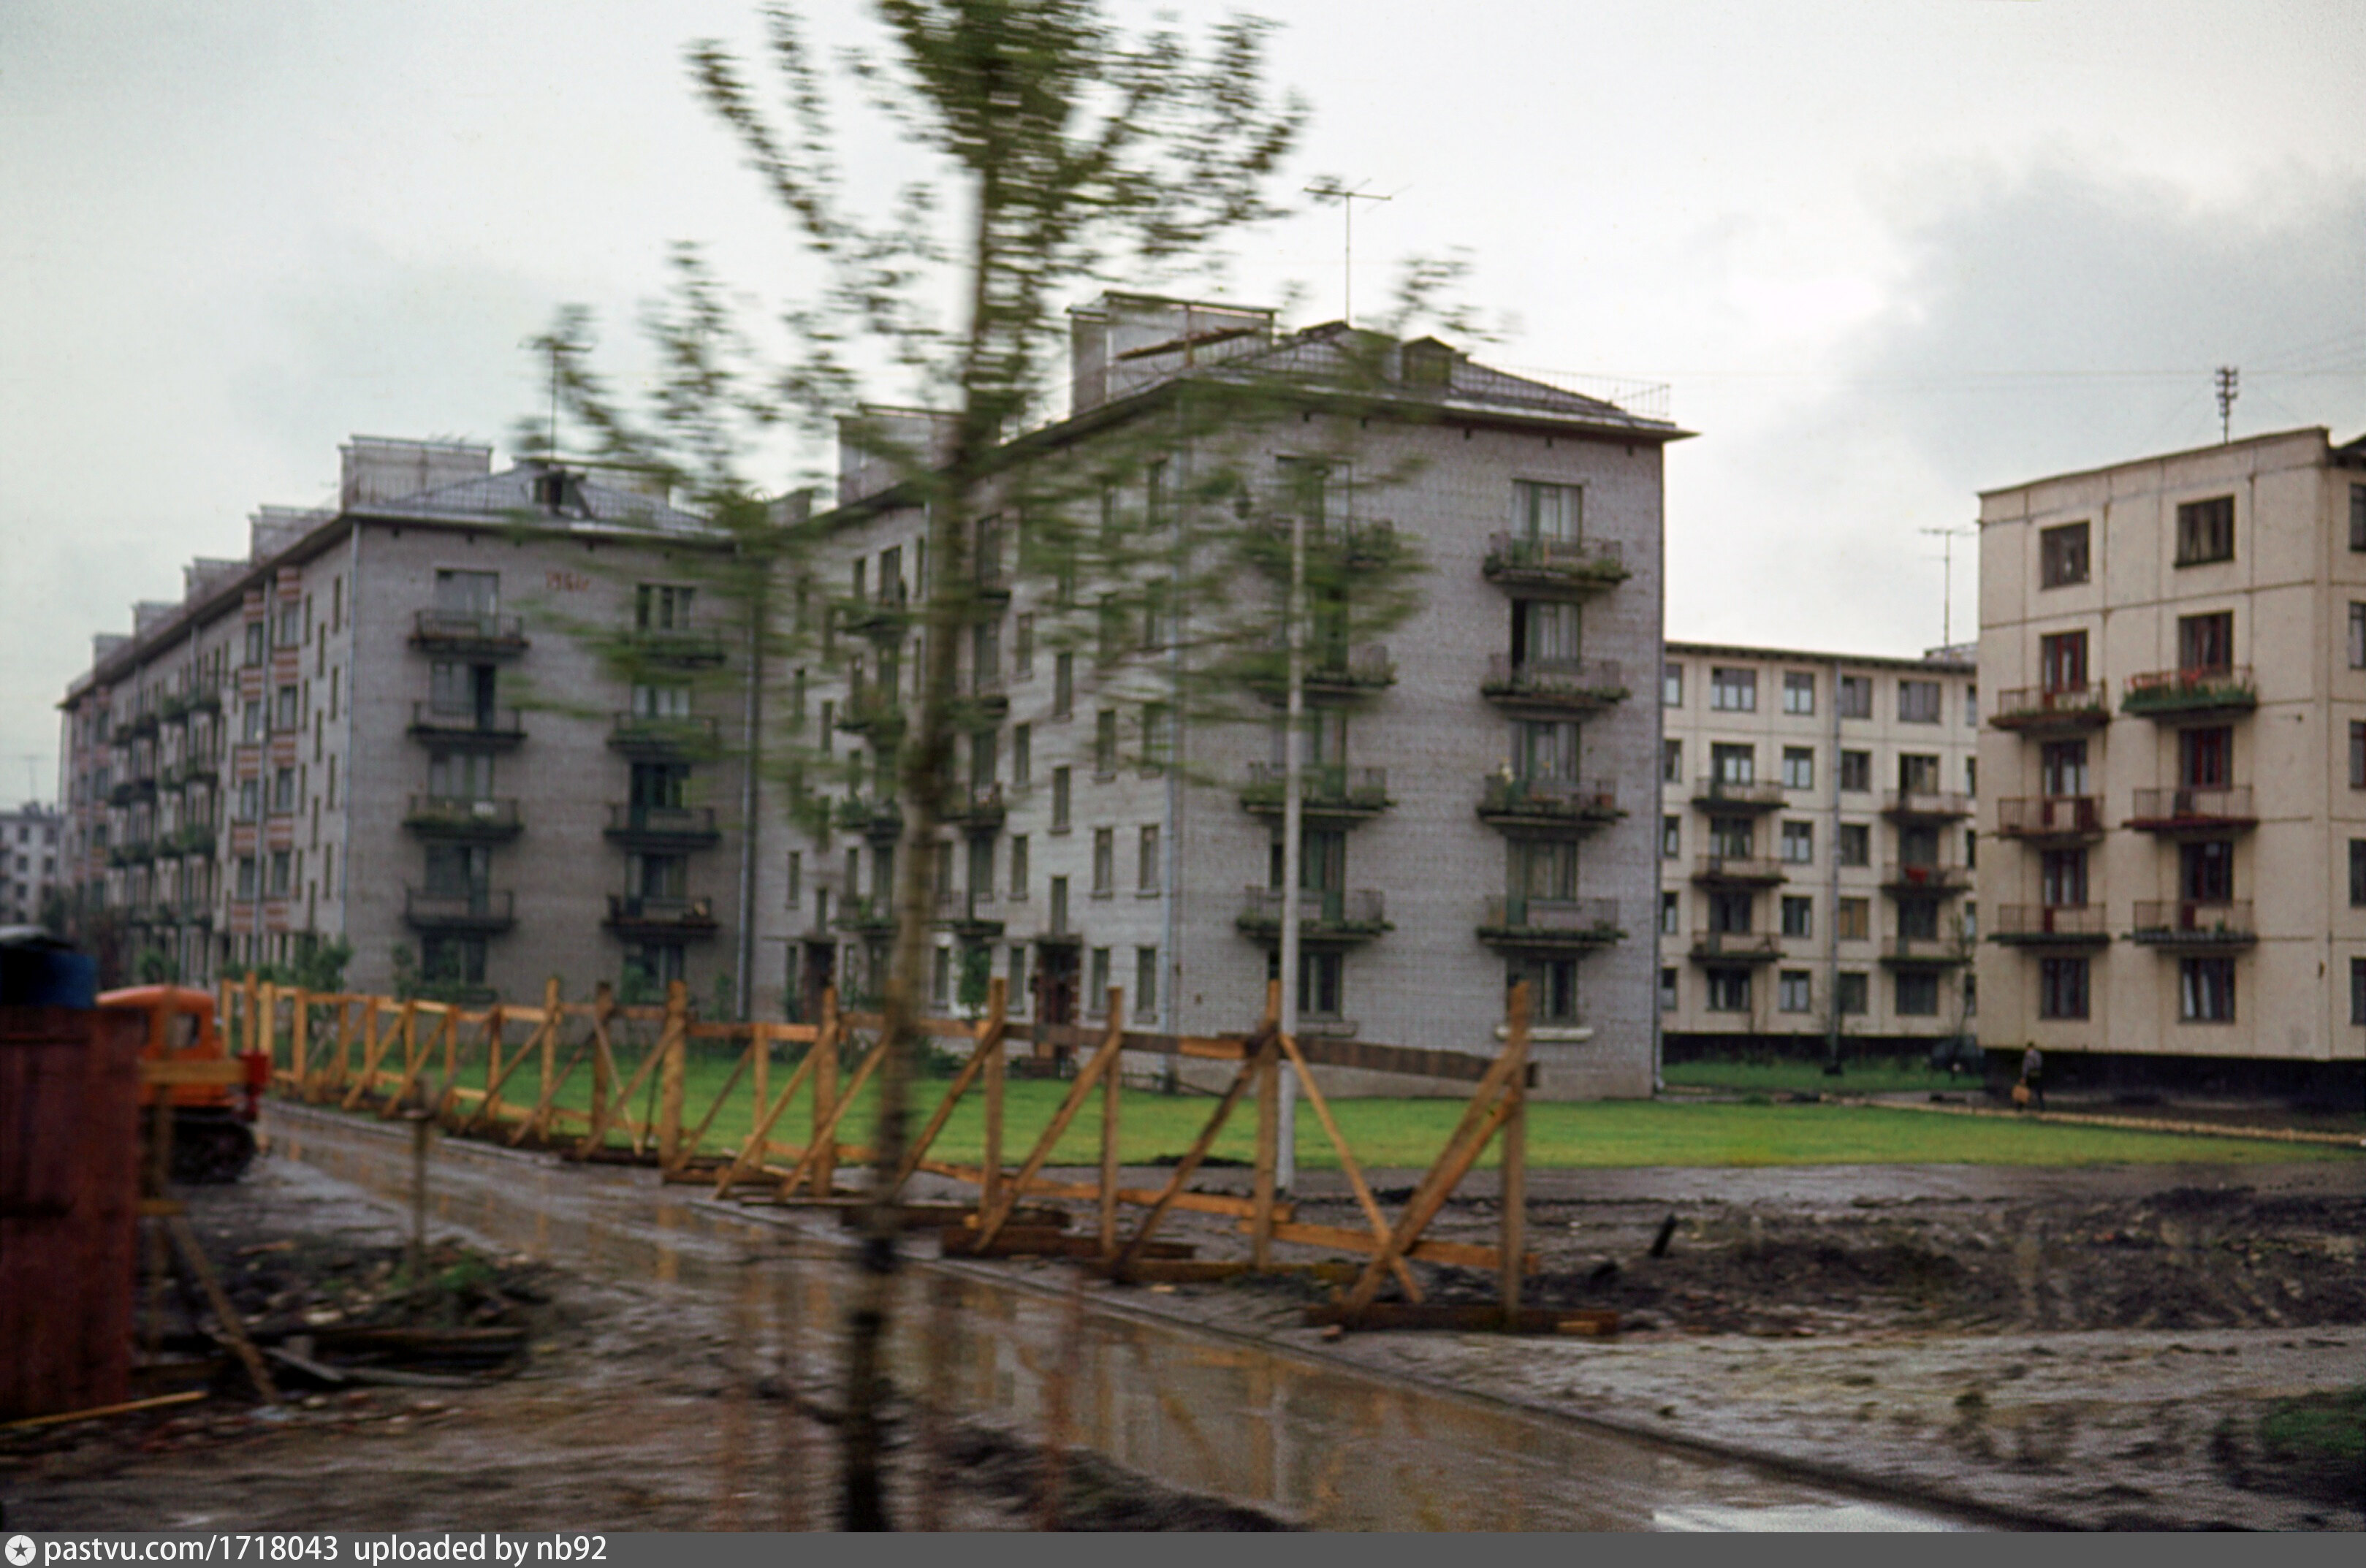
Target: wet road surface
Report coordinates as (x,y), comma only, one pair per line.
(1311,1441)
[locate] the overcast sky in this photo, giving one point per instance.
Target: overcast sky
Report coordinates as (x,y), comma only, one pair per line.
(1885,253)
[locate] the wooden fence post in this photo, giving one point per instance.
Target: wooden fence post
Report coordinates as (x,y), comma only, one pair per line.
(496,1025)
(1111,1082)
(824,1149)
(553,1018)
(1514,1204)
(300,1040)
(672,1065)
(247,1017)
(990,1188)
(1268,1139)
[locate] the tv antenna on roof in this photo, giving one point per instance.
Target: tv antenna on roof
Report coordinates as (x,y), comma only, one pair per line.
(1947,537)
(2229,379)
(1331,190)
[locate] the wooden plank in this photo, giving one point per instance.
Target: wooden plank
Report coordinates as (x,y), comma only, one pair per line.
(751,1157)
(988,1041)
(825,1094)
(1268,1158)
(1102,1061)
(1169,1195)
(1461,1255)
(1321,1106)
(1453,1164)
(1112,1084)
(1468,1318)
(234,1327)
(820,1156)
(1033,1241)
(167,1073)
(125,1407)
(989,1178)
(1512,1206)
(1135,1197)
(673,1048)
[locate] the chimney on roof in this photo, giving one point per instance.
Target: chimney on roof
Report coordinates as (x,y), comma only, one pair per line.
(376,469)
(150,614)
(201,576)
(273,528)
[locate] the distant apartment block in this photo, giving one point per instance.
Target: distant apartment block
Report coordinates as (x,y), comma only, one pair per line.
(2176,758)
(30,840)
(1816,848)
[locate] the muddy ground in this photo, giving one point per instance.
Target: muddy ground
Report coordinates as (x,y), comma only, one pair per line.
(629,1407)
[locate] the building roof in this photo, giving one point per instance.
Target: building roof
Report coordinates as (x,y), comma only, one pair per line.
(2266,438)
(1937,661)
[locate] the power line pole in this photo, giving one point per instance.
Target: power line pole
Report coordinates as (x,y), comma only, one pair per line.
(2229,379)
(1331,190)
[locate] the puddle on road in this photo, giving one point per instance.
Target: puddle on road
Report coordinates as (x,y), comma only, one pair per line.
(1324,1445)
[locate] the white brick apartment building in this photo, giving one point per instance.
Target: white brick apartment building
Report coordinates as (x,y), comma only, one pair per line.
(2175,765)
(1482,790)
(30,844)
(1816,848)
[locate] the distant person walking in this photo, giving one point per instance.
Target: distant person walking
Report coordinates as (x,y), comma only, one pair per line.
(2033,1078)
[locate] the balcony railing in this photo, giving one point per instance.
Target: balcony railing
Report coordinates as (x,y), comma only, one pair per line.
(1324,789)
(1904,877)
(1575,684)
(2050,816)
(652,827)
(675,647)
(1736,947)
(1328,912)
(1712,792)
(1365,666)
(2047,925)
(1562,803)
(196,839)
(2172,922)
(1927,804)
(470,909)
(459,816)
(488,726)
(642,912)
(979,808)
(2192,810)
(882,618)
(873,818)
(1552,922)
(460,631)
(872,915)
(648,735)
(2086,705)
(1581,565)
(1917,951)
(873,712)
(1756,870)
(2163,692)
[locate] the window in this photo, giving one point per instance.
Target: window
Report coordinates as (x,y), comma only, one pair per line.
(1671,913)
(1856,771)
(1733,764)
(1798,916)
(283,792)
(287,718)
(1857,697)
(282,870)
(1918,702)
(2357,965)
(1798,767)
(1733,690)
(1060,792)
(981,869)
(474,593)
(2062,878)
(2206,871)
(1544,869)
(1918,918)
(1097,986)
(1852,919)
(1668,989)
(1729,838)
(1730,914)
(1672,685)
(2356,754)
(2358,873)
(1672,762)
(1728,990)
(985,657)
(452,960)
(245,883)
(1796,991)
(2062,555)
(2205,531)
(1018,866)
(2358,517)
(1671,832)
(1322,985)
(2357,637)
(1798,691)
(941,978)
(659,702)
(1856,843)
(1022,650)
(1917,994)
(1104,861)
(1022,755)
(2062,767)
(1059,905)
(1553,987)
(660,607)
(250,800)
(1105,744)
(1146,862)
(1546,749)
(1852,993)
(1971,705)
(1064,684)
(291,626)
(2062,988)
(2205,644)
(2062,662)
(796,879)
(2205,758)
(1917,772)
(255,638)
(2205,990)
(1548,511)
(983,760)
(1157,736)
(1145,982)
(1800,843)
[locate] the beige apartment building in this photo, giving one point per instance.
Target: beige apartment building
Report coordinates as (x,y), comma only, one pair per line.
(30,839)
(2176,760)
(469,722)
(1815,848)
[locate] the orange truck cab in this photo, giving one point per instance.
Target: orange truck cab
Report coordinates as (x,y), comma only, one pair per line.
(213,1095)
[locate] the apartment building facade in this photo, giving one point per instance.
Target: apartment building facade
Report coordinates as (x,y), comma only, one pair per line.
(1479,792)
(1815,848)
(29,844)
(2177,764)
(468,722)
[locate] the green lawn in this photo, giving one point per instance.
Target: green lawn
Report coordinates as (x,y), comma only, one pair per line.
(1888,1077)
(1409,1133)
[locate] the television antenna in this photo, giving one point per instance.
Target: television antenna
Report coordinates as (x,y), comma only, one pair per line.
(1947,537)
(2229,384)
(1331,190)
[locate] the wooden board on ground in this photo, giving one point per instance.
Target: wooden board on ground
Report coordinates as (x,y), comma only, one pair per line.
(1036,1241)
(1461,1255)
(1476,1318)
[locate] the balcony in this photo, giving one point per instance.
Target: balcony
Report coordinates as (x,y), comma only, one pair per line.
(659,828)
(1333,671)
(1513,805)
(882,619)
(874,916)
(1736,947)
(469,636)
(1924,952)
(1331,794)
(129,790)
(455,817)
(193,770)
(639,917)
(649,738)
(2192,924)
(1925,806)
(131,851)
(175,708)
(2058,818)
(977,809)
(2047,925)
(1578,925)
(982,706)
(470,909)
(191,841)
(205,699)
(1903,878)
(1725,796)
(1323,914)
(680,649)
(2053,710)
(2190,693)
(1553,685)
(872,818)
(1738,871)
(959,914)
(877,715)
(488,730)
(1574,567)
(2181,812)
(144,723)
